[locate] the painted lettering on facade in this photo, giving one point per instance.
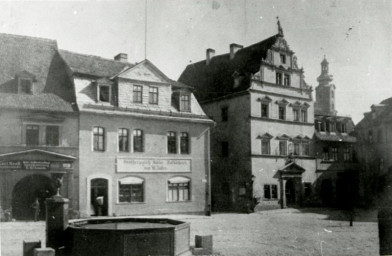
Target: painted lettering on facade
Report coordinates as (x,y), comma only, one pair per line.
(153,165)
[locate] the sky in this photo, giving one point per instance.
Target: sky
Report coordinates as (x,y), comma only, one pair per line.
(355,35)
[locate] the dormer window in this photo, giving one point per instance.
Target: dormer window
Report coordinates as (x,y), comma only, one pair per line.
(185,102)
(25,86)
(104,93)
(283,58)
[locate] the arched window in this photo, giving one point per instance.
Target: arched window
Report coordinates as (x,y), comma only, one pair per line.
(130,190)
(179,189)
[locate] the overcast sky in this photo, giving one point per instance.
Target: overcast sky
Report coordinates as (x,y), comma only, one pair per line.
(354,35)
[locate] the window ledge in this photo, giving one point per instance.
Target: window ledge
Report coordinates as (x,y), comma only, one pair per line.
(129,203)
(176,202)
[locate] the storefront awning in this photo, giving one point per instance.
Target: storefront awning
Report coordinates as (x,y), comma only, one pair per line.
(179,180)
(131,181)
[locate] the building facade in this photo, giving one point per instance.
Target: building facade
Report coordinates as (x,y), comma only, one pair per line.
(38,135)
(261,146)
(337,167)
(374,148)
(143,139)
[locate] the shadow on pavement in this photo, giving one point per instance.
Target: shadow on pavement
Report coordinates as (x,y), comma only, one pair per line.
(360,215)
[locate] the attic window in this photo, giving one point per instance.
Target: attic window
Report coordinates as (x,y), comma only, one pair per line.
(104,93)
(25,86)
(283,58)
(185,102)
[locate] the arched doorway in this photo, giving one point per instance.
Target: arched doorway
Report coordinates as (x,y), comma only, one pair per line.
(26,191)
(326,192)
(99,196)
(290,192)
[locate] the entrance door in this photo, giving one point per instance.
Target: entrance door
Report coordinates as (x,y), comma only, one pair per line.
(24,194)
(290,192)
(99,196)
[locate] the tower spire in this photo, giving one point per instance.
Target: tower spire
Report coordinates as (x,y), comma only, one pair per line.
(280,30)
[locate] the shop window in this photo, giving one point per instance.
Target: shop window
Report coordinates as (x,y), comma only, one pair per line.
(265,109)
(123,140)
(25,86)
(184,143)
(179,189)
(270,191)
(225,114)
(304,115)
(153,95)
(225,149)
(131,190)
(52,135)
(98,139)
(138,141)
(104,93)
(283,147)
(286,80)
(279,78)
(185,102)
(32,135)
(172,142)
(138,94)
(307,189)
(265,147)
(282,112)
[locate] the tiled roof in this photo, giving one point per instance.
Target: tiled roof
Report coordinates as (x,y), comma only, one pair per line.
(39,58)
(326,136)
(43,101)
(216,79)
(93,65)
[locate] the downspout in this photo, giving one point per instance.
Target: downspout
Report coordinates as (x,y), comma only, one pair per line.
(208,208)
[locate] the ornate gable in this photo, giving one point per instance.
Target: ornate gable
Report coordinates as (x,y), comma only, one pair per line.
(281,45)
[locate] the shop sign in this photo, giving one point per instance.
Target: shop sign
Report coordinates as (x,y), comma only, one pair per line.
(153,165)
(32,165)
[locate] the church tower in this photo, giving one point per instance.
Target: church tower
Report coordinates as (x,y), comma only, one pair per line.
(325,91)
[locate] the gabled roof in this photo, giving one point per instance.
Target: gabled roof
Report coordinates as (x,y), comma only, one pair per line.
(291,168)
(265,136)
(215,79)
(93,65)
(37,58)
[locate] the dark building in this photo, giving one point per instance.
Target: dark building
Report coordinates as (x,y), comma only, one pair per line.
(337,169)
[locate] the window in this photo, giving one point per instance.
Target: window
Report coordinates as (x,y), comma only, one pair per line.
(296,148)
(185,102)
(326,153)
(370,136)
(307,189)
(334,152)
(305,148)
(138,145)
(278,78)
(104,93)
(347,154)
(282,113)
(296,114)
(99,138)
(32,135)
(225,114)
(270,191)
(225,148)
(265,147)
(283,58)
(282,147)
(327,126)
(264,109)
(52,135)
(137,94)
(322,127)
(343,127)
(286,80)
(184,143)
(123,140)
(171,142)
(332,126)
(178,189)
(318,125)
(131,190)
(153,95)
(304,115)
(25,86)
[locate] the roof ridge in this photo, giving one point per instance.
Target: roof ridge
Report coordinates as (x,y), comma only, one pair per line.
(30,37)
(96,56)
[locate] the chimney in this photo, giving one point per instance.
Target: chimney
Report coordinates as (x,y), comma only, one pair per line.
(233,49)
(121,57)
(210,53)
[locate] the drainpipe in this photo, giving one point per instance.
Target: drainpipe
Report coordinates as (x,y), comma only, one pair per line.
(208,210)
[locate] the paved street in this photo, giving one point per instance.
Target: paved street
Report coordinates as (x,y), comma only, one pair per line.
(276,232)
